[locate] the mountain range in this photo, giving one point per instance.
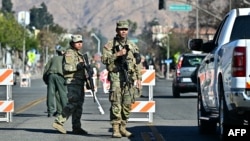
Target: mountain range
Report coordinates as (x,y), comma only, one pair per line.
(103,14)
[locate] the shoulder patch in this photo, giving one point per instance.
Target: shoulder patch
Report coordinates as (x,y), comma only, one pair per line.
(68,54)
(109,45)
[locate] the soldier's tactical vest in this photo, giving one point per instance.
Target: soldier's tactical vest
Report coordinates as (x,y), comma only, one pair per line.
(71,74)
(116,69)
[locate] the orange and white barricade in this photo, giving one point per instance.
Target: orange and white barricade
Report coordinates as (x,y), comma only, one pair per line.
(143,106)
(148,79)
(105,82)
(25,80)
(106,86)
(7,106)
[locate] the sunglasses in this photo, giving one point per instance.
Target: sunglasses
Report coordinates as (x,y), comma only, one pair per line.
(123,29)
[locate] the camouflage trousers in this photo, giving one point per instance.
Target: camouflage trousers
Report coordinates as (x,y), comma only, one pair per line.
(74,106)
(121,97)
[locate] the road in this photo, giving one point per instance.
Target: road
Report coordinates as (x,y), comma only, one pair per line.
(174,119)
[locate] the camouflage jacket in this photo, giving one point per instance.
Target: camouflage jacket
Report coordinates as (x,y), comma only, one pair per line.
(113,62)
(71,70)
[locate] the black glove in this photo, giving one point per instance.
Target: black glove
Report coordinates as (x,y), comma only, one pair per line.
(137,58)
(80,66)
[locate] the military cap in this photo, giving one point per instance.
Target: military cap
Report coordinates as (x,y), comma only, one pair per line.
(122,24)
(76,38)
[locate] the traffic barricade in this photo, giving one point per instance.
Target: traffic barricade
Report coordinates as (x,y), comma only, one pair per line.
(148,79)
(104,80)
(25,80)
(7,106)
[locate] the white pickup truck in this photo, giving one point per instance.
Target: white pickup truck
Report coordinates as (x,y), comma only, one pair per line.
(223,78)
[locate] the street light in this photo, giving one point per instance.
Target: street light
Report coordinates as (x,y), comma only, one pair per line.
(24,19)
(99,43)
(24,50)
(168,50)
(160,32)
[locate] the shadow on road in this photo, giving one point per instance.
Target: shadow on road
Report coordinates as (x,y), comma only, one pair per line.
(141,133)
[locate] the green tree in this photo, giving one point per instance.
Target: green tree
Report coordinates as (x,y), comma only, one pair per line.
(50,33)
(40,17)
(6,6)
(47,39)
(56,28)
(11,33)
(31,43)
(132,27)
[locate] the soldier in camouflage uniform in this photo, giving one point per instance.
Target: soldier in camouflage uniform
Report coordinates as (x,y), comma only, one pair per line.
(74,75)
(122,94)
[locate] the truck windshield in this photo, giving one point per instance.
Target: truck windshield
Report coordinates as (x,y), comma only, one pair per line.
(192,61)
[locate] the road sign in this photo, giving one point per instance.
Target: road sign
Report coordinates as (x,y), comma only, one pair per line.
(24,17)
(180,7)
(168,61)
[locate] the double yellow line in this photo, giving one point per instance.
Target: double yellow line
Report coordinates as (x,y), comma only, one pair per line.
(154,135)
(29,105)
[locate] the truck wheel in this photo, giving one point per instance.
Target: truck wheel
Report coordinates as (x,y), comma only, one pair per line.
(205,126)
(226,118)
(221,117)
(175,91)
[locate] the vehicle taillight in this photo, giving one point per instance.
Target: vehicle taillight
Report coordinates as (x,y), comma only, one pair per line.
(239,62)
(178,71)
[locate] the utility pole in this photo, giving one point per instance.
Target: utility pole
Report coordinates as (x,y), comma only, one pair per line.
(168,67)
(197,20)
(24,50)
(24,19)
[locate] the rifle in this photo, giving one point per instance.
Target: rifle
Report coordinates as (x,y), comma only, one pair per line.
(90,83)
(124,66)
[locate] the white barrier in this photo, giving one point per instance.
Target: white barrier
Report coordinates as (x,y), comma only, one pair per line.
(7,106)
(25,80)
(105,82)
(148,79)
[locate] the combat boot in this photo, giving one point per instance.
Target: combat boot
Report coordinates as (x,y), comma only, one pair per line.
(79,131)
(58,124)
(59,127)
(116,131)
(123,130)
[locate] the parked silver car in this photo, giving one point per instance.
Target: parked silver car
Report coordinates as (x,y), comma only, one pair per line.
(185,67)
